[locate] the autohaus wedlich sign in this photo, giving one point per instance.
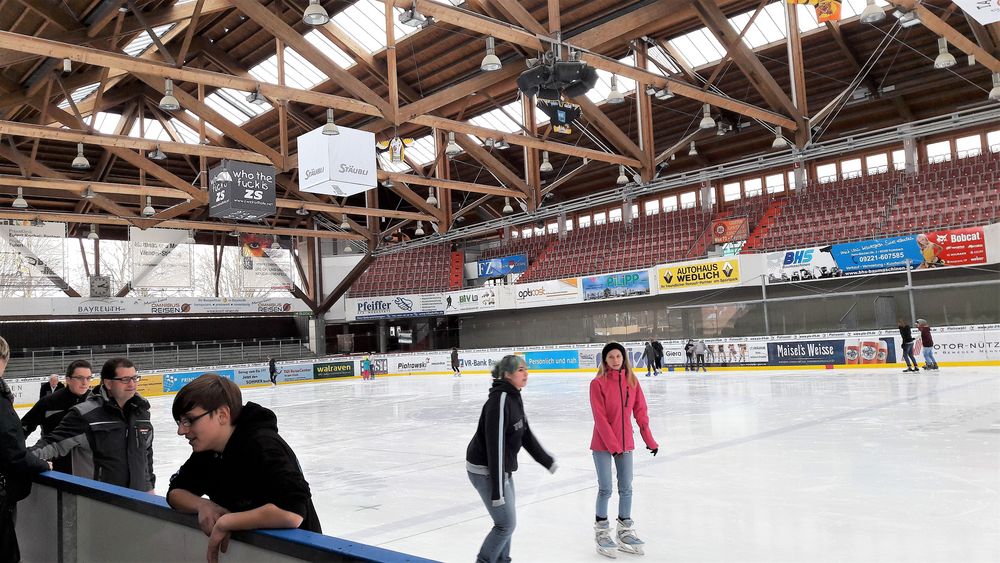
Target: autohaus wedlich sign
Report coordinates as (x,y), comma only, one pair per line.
(339,165)
(241,190)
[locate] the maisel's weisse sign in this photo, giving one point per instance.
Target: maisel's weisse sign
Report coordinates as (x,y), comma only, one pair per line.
(241,190)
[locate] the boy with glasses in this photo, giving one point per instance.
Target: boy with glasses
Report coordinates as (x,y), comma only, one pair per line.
(109,436)
(250,475)
(49,411)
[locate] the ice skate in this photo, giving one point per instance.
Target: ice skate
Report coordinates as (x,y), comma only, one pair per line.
(627,540)
(602,535)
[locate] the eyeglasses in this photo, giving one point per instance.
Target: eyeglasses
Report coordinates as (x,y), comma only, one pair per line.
(189,422)
(130,379)
(81,377)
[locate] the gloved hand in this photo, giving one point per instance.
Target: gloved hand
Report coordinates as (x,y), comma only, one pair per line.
(654,450)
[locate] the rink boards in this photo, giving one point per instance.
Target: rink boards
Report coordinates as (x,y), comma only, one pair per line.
(954,346)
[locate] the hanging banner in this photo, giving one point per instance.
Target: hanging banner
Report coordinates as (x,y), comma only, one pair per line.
(499,267)
(340,165)
(32,254)
(160,258)
(952,247)
(698,274)
(395,306)
(267,261)
(983,11)
(729,230)
(616,286)
(242,191)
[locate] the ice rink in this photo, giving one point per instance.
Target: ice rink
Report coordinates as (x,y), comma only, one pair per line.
(753,466)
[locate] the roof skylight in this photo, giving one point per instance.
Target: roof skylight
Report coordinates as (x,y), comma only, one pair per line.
(79,94)
(299,73)
(364,20)
(142,41)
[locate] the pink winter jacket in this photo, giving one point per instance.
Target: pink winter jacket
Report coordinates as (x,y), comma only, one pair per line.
(614,403)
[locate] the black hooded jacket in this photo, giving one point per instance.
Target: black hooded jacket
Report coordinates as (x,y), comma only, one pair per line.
(48,412)
(256,468)
(502,428)
(16,465)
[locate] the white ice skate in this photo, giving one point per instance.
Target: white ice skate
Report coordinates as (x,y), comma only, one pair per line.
(602,535)
(627,540)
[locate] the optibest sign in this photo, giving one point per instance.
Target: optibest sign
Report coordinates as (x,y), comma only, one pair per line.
(338,165)
(703,273)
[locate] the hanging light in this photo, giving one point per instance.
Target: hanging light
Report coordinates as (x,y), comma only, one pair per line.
(664,93)
(348,247)
(19,201)
(344,224)
(944,58)
(546,165)
(452,149)
(93,232)
(622,178)
(410,17)
(615,96)
(490,62)
(507,209)
(650,90)
(234,233)
(67,66)
(223,175)
(314,14)
(168,102)
(502,145)
(157,154)
(331,127)
(694,150)
(88,193)
(431,200)
(302,212)
(388,183)
(420,229)
(779,141)
(274,243)
(256,98)
(148,211)
(706,118)
(80,162)
(872,14)
(995,92)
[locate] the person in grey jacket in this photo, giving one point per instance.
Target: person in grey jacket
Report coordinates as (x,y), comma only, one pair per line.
(699,352)
(108,437)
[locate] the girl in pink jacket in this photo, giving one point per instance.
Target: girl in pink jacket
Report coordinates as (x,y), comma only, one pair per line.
(615,397)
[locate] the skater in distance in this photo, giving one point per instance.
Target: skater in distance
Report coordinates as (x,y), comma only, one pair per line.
(615,398)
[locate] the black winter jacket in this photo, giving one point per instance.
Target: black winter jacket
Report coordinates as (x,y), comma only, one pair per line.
(105,443)
(502,430)
(906,334)
(16,466)
(48,412)
(256,468)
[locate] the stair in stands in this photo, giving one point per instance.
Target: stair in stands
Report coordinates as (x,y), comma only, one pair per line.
(700,247)
(773,210)
(536,263)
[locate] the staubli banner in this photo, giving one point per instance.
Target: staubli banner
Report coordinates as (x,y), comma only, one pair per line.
(32,254)
(933,249)
(616,286)
(698,274)
(160,258)
(546,293)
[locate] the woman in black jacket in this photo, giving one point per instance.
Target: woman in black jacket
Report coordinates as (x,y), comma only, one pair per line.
(16,467)
(907,342)
(491,457)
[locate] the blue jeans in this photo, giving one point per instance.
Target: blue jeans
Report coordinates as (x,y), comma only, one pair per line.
(496,546)
(908,357)
(623,463)
(929,360)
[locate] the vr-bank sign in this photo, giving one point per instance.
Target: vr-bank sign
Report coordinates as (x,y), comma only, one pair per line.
(247,195)
(339,165)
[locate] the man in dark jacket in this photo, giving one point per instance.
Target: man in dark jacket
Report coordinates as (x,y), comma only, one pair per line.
(906,337)
(16,467)
(659,357)
(49,411)
(50,386)
(251,476)
(109,436)
(689,352)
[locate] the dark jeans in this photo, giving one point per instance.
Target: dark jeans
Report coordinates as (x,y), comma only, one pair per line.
(908,357)
(690,363)
(9,552)
(701,363)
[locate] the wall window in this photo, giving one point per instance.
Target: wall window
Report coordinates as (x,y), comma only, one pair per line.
(670,203)
(600,218)
(569,225)
(753,186)
(584,221)
(688,199)
(898,160)
(731,191)
(791,179)
(526,233)
(939,152)
(877,163)
(993,140)
(652,207)
(826,172)
(775,183)
(552,228)
(850,168)
(615,215)
(635,210)
(969,146)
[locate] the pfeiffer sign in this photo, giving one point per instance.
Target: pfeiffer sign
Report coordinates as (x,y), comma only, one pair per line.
(339,165)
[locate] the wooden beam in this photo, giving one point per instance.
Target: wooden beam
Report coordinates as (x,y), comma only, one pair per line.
(554,24)
(413,198)
(982,35)
(644,115)
(608,128)
(937,25)
(796,62)
(565,178)
(522,16)
(345,284)
(54,12)
(493,165)
(446,184)
(468,85)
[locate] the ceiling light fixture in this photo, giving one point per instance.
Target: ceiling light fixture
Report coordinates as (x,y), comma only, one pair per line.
(255,97)
(615,96)
(314,14)
(622,178)
(507,209)
(944,58)
(664,93)
(330,128)
(274,243)
(694,150)
(157,154)
(502,144)
(410,17)
(19,201)
(223,175)
(67,66)
(490,62)
(650,90)
(148,211)
(779,141)
(168,102)
(302,212)
(80,162)
(546,166)
(431,200)
(344,224)
(37,222)
(88,193)
(995,92)
(388,183)
(93,232)
(706,118)
(452,149)
(872,14)
(420,229)
(234,233)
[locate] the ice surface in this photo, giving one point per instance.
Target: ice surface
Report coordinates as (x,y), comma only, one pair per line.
(852,465)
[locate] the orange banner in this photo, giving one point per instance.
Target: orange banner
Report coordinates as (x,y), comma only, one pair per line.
(728,230)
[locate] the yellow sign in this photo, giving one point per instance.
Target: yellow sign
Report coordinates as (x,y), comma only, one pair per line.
(698,274)
(150,385)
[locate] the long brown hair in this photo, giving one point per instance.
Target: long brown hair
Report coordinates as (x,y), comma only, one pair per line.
(602,369)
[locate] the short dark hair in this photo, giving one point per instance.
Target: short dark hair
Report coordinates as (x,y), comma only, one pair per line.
(77,364)
(209,391)
(109,367)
